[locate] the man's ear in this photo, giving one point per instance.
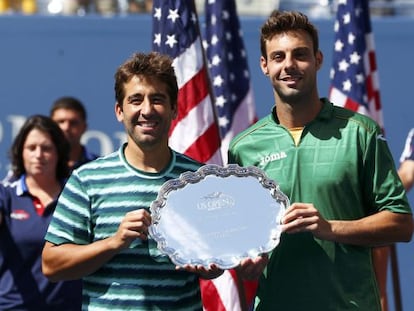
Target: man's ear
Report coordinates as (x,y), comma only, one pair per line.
(174,111)
(319,60)
(118,112)
(263,65)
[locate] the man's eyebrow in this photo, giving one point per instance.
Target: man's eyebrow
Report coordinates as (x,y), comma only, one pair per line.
(158,94)
(134,96)
(302,48)
(151,95)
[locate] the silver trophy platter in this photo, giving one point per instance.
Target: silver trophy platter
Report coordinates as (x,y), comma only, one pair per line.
(217,215)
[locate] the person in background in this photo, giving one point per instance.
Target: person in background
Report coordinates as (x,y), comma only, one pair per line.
(82,7)
(39,155)
(139,6)
(26,7)
(406,169)
(71,116)
(336,168)
(406,174)
(99,231)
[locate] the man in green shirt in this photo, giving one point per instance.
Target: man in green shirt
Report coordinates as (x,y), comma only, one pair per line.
(337,170)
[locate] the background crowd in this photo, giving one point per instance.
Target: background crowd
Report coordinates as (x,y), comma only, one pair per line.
(313,8)
(75,7)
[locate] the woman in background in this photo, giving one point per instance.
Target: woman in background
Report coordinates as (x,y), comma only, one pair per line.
(39,156)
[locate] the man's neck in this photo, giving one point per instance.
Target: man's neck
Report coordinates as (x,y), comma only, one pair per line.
(75,154)
(297,114)
(152,160)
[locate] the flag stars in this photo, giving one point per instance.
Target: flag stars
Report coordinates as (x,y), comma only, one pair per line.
(350,69)
(213,20)
(226,66)
(171,41)
(214,40)
(347,85)
(243,53)
(336,26)
(220,101)
(218,81)
(360,78)
(223,121)
(365,98)
(343,65)
(173,15)
(332,73)
(346,18)
(205,45)
(157,13)
(157,39)
(225,15)
(354,58)
(339,46)
(226,63)
(216,60)
(351,38)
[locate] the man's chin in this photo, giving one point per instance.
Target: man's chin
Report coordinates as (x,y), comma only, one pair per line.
(149,142)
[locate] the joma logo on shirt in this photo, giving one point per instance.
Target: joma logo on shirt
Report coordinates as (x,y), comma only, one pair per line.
(273,157)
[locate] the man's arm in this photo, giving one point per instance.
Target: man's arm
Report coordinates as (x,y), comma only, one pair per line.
(72,261)
(382,228)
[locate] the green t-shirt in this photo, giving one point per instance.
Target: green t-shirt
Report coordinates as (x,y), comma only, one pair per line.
(94,201)
(343,166)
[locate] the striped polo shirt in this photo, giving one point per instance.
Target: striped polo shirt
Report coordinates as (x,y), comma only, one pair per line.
(92,205)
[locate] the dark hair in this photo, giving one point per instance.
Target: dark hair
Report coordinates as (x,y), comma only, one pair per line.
(46,125)
(284,21)
(70,103)
(154,65)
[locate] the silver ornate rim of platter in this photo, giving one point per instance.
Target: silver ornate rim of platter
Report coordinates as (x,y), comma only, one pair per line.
(218,215)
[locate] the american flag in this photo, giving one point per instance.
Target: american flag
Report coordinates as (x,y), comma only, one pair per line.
(354,75)
(355,85)
(195,132)
(229,71)
(176,32)
(230,80)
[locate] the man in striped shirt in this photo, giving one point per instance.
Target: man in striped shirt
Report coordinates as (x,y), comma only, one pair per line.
(99,231)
